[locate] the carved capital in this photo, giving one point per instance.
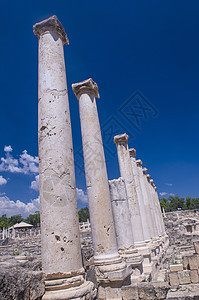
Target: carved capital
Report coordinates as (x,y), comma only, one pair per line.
(139,162)
(86,86)
(51,24)
(144,170)
(132,152)
(121,139)
(151,182)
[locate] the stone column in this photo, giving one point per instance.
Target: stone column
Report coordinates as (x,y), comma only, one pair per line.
(159,209)
(106,257)
(123,226)
(155,209)
(156,238)
(126,172)
(141,199)
(163,212)
(144,211)
(165,237)
(60,239)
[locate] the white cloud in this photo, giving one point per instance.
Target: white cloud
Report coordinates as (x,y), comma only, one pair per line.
(163,194)
(169,184)
(2,180)
(26,164)
(82,196)
(8,148)
(35,183)
(11,208)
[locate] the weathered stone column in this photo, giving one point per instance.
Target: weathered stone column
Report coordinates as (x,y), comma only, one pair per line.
(126,172)
(60,240)
(110,269)
(141,199)
(156,212)
(144,210)
(159,209)
(123,226)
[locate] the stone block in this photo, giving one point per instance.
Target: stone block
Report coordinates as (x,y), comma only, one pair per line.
(196,247)
(193,262)
(130,292)
(184,277)
(185,262)
(176,267)
(173,279)
(194,276)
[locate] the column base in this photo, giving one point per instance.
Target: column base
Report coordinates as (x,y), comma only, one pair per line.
(145,251)
(111,273)
(111,268)
(65,286)
(131,256)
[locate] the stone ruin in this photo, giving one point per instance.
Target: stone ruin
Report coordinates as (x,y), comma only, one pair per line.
(124,252)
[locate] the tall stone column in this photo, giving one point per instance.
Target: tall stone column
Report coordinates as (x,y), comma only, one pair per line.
(110,269)
(154,207)
(145,216)
(123,226)
(126,172)
(60,240)
(159,209)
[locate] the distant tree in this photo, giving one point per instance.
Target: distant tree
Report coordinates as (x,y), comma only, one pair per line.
(194,203)
(83,214)
(176,202)
(34,219)
(188,202)
(164,202)
(15,219)
(4,221)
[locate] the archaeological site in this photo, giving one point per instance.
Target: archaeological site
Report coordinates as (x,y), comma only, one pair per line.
(129,249)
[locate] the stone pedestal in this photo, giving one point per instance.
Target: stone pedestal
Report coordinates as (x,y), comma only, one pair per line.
(110,269)
(60,240)
(123,226)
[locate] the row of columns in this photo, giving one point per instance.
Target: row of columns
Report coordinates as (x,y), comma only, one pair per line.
(121,251)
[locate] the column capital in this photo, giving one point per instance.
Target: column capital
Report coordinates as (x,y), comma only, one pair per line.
(51,24)
(151,181)
(139,162)
(88,85)
(121,138)
(132,152)
(144,170)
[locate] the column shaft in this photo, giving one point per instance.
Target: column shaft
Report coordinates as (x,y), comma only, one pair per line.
(121,142)
(106,256)
(60,239)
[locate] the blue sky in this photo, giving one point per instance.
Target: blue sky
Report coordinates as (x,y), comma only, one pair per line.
(140,53)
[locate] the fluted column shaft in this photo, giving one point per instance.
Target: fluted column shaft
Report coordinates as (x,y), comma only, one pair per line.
(126,172)
(141,199)
(101,217)
(60,239)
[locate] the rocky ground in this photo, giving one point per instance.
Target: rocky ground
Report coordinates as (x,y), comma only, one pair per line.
(21,277)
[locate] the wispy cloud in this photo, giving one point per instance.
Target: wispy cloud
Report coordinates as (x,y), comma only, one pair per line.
(169,184)
(166,194)
(2,180)
(26,163)
(163,194)
(11,208)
